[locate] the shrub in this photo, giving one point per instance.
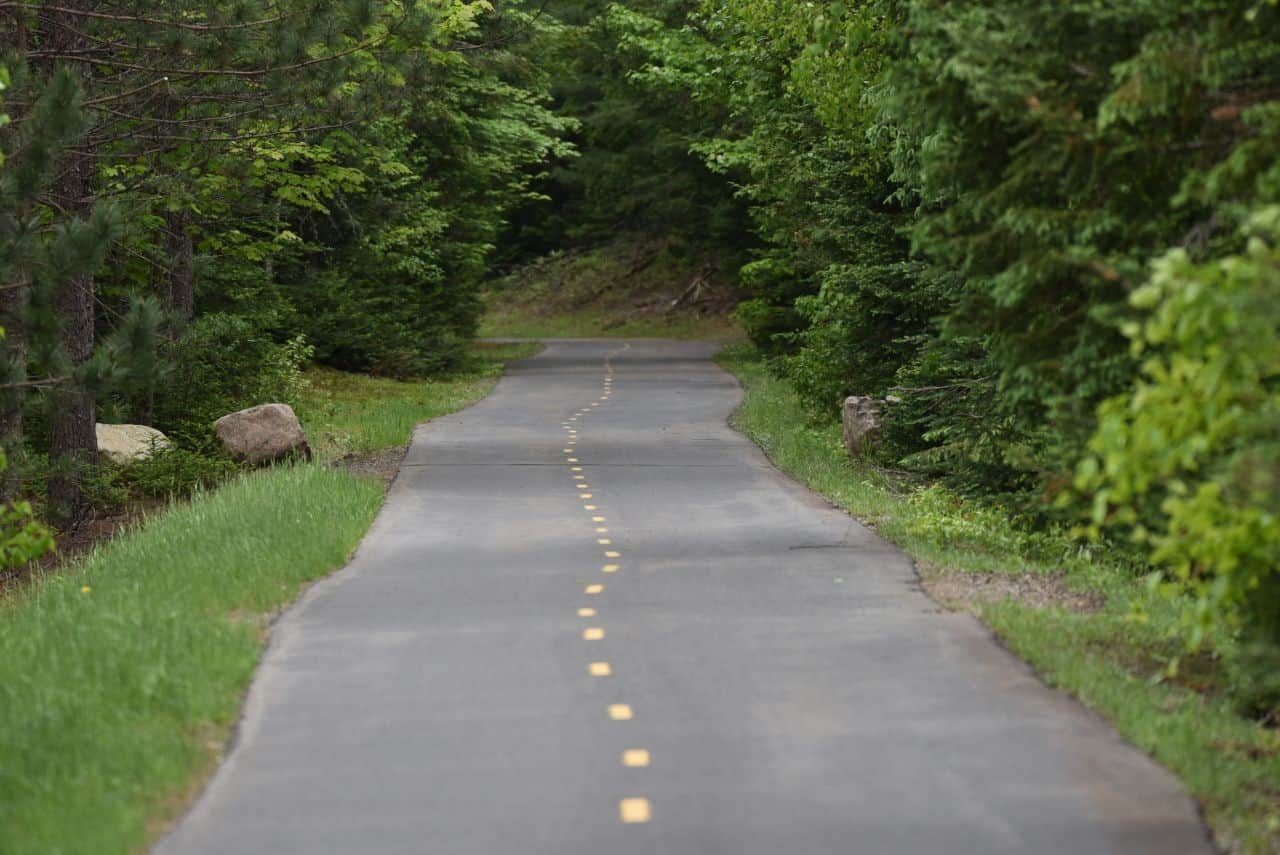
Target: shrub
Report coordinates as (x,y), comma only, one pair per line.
(225,363)
(1188,462)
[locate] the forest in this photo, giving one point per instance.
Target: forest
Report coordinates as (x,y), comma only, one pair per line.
(1045,232)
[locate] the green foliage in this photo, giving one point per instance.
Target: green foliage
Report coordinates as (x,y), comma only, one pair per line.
(172,472)
(1187,463)
(955,203)
(225,363)
(632,171)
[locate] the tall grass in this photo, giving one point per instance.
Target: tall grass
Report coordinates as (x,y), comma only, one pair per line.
(120,676)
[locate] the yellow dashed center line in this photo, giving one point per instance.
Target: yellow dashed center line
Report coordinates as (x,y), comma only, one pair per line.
(634,810)
(635,757)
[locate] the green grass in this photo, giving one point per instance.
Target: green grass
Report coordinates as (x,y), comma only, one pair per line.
(602,323)
(122,674)
(120,677)
(344,413)
(1114,659)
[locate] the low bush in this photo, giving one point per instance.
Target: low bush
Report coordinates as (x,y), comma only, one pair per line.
(221,364)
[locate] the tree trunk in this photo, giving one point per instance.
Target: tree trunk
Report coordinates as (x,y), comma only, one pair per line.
(179,295)
(14,354)
(13,311)
(73,443)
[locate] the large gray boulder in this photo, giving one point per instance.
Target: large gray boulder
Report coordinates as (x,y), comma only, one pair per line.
(862,424)
(124,444)
(262,434)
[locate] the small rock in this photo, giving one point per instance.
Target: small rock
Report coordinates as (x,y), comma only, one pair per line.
(862,425)
(262,434)
(124,444)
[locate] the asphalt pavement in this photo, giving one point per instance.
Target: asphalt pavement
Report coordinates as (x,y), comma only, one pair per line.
(592,619)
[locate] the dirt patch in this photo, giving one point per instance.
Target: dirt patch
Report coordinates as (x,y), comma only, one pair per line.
(969,592)
(382,464)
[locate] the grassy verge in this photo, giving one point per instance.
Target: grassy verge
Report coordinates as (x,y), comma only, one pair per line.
(513,323)
(1111,655)
(122,674)
(352,413)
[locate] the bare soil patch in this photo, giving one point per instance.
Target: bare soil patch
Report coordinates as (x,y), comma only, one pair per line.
(381,465)
(969,592)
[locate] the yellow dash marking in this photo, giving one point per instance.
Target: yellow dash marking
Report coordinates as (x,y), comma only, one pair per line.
(586,612)
(620,712)
(634,810)
(609,568)
(599,669)
(602,529)
(612,554)
(597,519)
(584,495)
(592,633)
(579,477)
(603,541)
(592,590)
(635,757)
(575,468)
(568,451)
(589,507)
(573,460)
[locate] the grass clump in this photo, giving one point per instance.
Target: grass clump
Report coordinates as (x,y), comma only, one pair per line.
(121,675)
(1121,658)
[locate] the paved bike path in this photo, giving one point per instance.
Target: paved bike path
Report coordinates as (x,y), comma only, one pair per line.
(592,618)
